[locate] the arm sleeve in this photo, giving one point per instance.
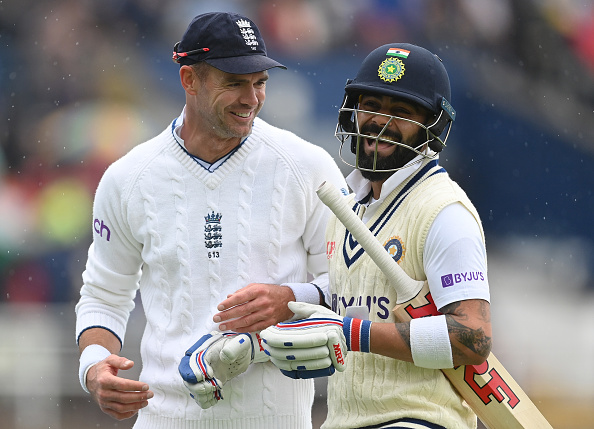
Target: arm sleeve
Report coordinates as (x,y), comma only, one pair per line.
(112,271)
(454,257)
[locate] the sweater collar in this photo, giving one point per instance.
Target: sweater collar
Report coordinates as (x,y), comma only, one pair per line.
(176,127)
(362,187)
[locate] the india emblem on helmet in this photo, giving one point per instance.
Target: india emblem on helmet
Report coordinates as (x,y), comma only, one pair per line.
(391,70)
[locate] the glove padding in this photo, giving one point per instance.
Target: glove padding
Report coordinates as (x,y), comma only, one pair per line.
(314,346)
(215,359)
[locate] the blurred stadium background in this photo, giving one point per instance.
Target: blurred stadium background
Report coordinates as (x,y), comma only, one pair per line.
(83,81)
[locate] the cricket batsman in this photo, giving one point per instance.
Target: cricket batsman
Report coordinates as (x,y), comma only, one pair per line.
(395,119)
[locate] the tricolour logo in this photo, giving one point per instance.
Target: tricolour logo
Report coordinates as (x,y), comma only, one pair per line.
(397,52)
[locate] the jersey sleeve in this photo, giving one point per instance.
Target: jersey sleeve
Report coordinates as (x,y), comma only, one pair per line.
(454,257)
(112,271)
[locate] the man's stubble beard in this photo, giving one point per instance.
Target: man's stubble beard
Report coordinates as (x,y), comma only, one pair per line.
(397,159)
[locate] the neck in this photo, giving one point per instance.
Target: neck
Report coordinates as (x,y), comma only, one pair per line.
(376,188)
(209,148)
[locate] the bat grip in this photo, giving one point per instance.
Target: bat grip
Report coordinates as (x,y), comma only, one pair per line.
(406,287)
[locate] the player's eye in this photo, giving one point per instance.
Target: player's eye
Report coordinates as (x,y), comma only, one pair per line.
(401,112)
(370,105)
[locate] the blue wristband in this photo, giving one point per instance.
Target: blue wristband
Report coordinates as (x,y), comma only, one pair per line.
(357,334)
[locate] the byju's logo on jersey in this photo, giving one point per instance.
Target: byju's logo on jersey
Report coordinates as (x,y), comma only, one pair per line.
(395,248)
(451,279)
(377,306)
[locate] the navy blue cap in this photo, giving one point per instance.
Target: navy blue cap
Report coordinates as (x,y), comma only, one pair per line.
(227,41)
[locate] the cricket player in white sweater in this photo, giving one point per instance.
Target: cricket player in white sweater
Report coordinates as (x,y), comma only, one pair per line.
(219,206)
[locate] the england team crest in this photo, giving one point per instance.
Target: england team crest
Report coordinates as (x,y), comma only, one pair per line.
(212,230)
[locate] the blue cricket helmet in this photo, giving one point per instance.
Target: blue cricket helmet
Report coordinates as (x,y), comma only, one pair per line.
(405,71)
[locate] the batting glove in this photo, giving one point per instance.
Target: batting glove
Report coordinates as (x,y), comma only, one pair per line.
(215,359)
(316,345)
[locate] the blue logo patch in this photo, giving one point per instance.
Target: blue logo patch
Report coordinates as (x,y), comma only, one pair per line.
(395,248)
(451,279)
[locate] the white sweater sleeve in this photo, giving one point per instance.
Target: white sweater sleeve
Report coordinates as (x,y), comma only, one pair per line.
(112,272)
(455,258)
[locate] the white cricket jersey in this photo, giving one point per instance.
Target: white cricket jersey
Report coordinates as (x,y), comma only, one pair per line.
(185,237)
(454,253)
(375,389)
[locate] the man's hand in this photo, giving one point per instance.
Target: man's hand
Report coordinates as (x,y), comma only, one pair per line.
(254,307)
(119,397)
(312,347)
(215,359)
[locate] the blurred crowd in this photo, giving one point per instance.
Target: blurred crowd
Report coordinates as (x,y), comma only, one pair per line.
(83,81)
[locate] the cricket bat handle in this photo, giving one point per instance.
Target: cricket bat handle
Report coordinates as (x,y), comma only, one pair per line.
(406,287)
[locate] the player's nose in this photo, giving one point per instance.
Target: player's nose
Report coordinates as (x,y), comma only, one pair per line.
(251,96)
(384,121)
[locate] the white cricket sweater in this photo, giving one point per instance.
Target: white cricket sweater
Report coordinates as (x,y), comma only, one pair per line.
(374,389)
(186,238)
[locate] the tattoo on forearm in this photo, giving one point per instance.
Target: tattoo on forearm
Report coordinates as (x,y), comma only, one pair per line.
(485,313)
(474,340)
(404,331)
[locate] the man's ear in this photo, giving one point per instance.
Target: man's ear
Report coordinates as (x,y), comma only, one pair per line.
(188,79)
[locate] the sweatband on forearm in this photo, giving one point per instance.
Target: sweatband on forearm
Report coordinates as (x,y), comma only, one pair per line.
(357,334)
(305,292)
(430,342)
(90,356)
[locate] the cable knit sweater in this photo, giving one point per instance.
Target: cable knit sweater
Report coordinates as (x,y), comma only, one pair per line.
(186,238)
(374,389)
